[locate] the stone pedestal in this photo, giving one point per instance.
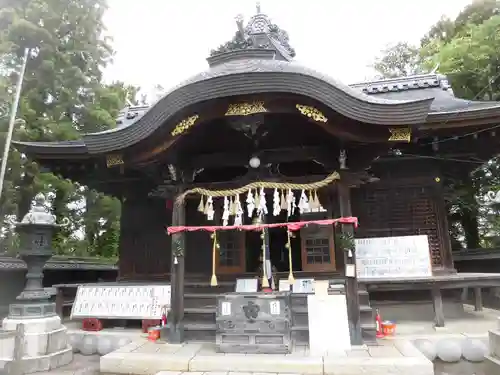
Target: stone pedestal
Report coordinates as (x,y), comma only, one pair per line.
(45,345)
(42,344)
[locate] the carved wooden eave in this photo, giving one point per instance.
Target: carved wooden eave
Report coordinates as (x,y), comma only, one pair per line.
(246,109)
(311,112)
(400,134)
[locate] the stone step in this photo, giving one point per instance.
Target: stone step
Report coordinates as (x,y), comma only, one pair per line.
(200,310)
(494,339)
(491,365)
(364,297)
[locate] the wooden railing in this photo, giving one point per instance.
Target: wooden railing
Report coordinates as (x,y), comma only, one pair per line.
(65,297)
(481,253)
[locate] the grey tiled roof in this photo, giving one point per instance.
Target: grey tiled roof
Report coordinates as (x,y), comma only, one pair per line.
(243,76)
(417,87)
(402,101)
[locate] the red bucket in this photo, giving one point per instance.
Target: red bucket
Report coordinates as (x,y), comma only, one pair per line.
(389,328)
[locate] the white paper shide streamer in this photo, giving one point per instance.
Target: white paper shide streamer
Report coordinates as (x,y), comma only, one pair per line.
(210,208)
(276,203)
(225,213)
(238,217)
(250,203)
(262,209)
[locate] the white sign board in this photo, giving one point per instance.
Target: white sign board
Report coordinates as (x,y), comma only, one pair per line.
(305,286)
(328,324)
(247,285)
(284,285)
(121,302)
(393,257)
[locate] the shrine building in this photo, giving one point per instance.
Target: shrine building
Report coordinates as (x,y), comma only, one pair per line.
(258,135)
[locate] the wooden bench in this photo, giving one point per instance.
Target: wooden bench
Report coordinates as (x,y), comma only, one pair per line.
(435,284)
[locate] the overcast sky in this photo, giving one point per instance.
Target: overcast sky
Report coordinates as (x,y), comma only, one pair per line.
(165,41)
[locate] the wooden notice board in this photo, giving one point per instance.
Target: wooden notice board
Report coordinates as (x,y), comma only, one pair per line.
(393,257)
(121,301)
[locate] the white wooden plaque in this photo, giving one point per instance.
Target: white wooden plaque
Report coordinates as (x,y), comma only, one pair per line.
(121,302)
(393,257)
(283,285)
(303,286)
(247,285)
(328,324)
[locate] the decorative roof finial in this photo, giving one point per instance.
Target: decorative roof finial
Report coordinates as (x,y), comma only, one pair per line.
(239,24)
(257,6)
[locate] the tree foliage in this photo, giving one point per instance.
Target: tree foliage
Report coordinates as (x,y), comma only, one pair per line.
(466,51)
(63,96)
(399,60)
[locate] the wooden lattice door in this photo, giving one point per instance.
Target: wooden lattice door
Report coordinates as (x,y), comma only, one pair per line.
(318,254)
(230,257)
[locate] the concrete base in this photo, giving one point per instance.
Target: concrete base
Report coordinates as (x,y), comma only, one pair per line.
(146,358)
(45,344)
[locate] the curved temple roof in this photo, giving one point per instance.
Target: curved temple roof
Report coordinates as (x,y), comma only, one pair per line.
(258,60)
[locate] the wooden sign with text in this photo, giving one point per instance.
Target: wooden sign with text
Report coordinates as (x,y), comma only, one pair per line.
(393,257)
(120,302)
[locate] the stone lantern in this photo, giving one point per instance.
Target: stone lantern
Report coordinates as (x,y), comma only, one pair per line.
(45,343)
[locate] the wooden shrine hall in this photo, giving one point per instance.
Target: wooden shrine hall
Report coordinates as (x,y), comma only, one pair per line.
(258,135)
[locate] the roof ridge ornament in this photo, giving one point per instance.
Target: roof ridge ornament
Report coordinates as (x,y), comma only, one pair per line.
(259,33)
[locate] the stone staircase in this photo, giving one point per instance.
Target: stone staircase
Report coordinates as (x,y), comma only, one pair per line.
(367,316)
(492,365)
(200,310)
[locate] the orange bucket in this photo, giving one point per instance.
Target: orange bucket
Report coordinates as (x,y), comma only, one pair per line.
(154,333)
(389,328)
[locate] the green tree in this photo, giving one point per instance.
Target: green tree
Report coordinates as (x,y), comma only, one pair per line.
(399,60)
(63,96)
(466,50)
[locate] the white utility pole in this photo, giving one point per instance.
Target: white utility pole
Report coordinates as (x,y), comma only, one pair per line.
(12,120)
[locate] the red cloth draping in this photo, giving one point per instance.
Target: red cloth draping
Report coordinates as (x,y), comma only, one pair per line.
(293,226)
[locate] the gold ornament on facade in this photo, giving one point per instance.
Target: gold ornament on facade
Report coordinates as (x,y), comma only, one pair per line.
(114,160)
(400,135)
(245,109)
(312,113)
(184,125)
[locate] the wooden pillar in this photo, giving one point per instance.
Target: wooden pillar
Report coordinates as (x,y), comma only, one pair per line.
(353,311)
(437,302)
(443,230)
(478,299)
(176,316)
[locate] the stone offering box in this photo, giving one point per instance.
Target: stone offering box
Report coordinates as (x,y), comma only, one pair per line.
(254,323)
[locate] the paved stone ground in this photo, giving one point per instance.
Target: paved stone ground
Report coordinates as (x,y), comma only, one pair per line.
(473,324)
(90,366)
(81,365)
(462,368)
(394,357)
